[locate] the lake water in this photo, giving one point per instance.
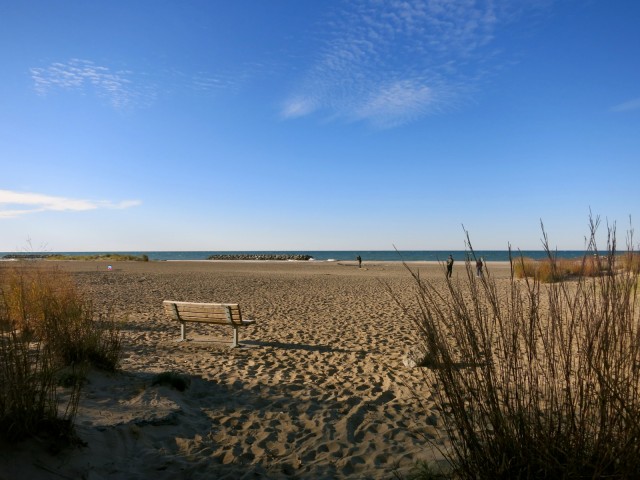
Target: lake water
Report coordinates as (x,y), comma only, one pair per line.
(337,255)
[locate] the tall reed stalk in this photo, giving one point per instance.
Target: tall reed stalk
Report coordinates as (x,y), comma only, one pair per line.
(536,380)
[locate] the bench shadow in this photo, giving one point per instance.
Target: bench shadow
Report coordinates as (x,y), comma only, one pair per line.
(299,346)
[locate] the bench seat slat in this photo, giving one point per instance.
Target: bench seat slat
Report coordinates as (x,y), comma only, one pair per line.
(203,307)
(208,317)
(242,322)
(202,310)
(221,312)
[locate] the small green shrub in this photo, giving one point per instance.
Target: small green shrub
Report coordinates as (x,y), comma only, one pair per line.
(69,378)
(172,379)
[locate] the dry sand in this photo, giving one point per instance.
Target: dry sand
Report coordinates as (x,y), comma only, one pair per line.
(318,389)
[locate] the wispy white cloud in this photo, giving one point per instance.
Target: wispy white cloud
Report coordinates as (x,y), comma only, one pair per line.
(119,88)
(627,106)
(208,82)
(394,103)
(125,89)
(16,204)
(299,107)
(390,62)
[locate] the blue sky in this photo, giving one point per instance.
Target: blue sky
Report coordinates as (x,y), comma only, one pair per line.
(299,125)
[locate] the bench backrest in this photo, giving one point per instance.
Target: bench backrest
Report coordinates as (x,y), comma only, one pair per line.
(222,313)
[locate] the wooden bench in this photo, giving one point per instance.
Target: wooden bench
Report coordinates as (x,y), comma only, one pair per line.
(216,313)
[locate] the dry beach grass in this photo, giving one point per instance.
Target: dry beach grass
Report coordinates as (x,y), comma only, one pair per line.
(319,389)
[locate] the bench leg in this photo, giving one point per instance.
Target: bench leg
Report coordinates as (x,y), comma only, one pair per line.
(234,341)
(182,331)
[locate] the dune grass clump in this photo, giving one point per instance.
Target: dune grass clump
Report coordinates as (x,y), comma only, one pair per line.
(82,338)
(545,271)
(46,326)
(552,269)
(28,368)
(537,380)
(28,398)
(44,304)
(631,262)
(525,267)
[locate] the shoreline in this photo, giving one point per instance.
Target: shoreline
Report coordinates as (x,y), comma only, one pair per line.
(433,269)
(301,262)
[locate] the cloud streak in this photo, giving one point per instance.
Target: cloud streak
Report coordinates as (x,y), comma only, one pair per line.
(119,88)
(627,106)
(390,62)
(17,204)
(127,89)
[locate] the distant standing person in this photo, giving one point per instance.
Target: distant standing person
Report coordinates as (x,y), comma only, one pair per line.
(449,266)
(479,265)
(359,258)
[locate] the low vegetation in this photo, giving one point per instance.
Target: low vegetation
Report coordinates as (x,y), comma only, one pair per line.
(537,380)
(112,257)
(553,269)
(47,330)
(173,380)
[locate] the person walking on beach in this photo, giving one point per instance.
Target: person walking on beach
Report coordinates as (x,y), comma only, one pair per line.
(449,266)
(479,265)
(359,259)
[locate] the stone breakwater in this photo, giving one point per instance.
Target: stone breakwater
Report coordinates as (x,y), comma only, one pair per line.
(260,257)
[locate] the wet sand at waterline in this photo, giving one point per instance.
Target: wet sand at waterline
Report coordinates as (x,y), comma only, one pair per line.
(318,388)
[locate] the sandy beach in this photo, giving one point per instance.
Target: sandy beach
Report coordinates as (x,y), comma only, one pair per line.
(318,389)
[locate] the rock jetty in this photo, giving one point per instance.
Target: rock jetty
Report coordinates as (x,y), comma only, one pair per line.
(260,256)
(26,256)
